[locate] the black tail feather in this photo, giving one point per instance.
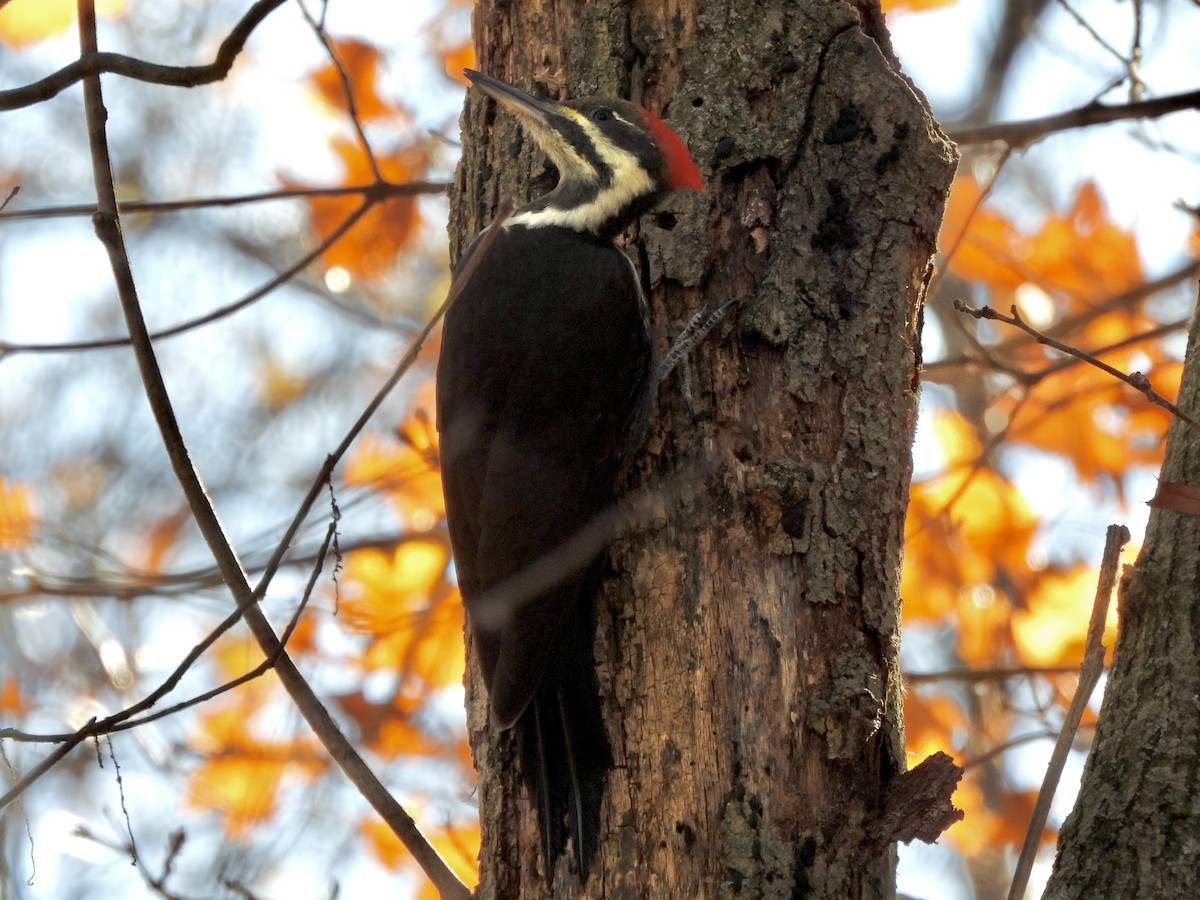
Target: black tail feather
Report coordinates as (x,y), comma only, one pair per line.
(565,757)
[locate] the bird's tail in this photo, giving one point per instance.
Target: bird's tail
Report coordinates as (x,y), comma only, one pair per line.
(565,756)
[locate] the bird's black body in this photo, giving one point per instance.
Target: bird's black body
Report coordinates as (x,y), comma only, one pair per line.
(539,383)
(538,391)
(543,375)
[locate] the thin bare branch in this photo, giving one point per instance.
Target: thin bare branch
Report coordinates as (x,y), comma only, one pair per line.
(380,190)
(1136,380)
(1089,675)
(212,316)
(93,63)
(108,230)
(347,86)
(1123,300)
(975,676)
(1020,134)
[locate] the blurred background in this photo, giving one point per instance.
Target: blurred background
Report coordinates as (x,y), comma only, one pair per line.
(1022,455)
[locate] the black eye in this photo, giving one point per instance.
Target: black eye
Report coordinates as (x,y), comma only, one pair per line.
(602,115)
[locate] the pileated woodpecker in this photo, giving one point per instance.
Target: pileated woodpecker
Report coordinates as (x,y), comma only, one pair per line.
(544,371)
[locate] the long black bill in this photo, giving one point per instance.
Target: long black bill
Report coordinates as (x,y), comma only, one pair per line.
(511,98)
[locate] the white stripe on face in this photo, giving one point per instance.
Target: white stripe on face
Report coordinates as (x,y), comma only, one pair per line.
(629,181)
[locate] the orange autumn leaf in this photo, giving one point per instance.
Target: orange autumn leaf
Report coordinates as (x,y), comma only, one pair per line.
(163,535)
(978,236)
(241,773)
(383,841)
(388,588)
(1077,257)
(932,722)
(1083,253)
(965,529)
(429,650)
(11,698)
(1100,424)
(278,386)
(982,624)
(17,517)
(244,787)
(902,6)
(455,59)
(371,246)
(388,729)
(414,618)
(241,788)
(458,845)
(1052,628)
(360,61)
(408,471)
(25,22)
(991,826)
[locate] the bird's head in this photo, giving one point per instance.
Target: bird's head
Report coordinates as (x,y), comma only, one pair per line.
(614,158)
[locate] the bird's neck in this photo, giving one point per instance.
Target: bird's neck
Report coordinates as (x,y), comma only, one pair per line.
(591,206)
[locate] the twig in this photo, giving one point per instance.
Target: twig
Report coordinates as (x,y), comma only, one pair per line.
(1136,380)
(92,63)
(1123,300)
(380,190)
(347,87)
(1020,134)
(1089,675)
(213,315)
(51,760)
(973,676)
(108,230)
(16,189)
(1095,35)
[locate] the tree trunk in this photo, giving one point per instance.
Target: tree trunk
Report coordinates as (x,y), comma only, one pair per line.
(1133,832)
(747,639)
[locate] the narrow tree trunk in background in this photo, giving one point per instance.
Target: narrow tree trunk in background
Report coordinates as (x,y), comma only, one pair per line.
(1135,829)
(748,637)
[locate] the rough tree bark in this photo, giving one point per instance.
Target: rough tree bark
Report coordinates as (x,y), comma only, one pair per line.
(1135,829)
(747,639)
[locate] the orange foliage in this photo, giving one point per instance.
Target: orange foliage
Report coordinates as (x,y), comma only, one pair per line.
(1068,278)
(11,698)
(241,775)
(932,722)
(1101,425)
(277,385)
(16,516)
(360,62)
(25,22)
(1077,257)
(391,587)
(407,471)
(965,528)
(163,535)
(1051,630)
(414,619)
(458,845)
(455,59)
(994,824)
(903,6)
(371,246)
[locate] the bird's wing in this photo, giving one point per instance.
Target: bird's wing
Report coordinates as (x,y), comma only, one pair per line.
(534,401)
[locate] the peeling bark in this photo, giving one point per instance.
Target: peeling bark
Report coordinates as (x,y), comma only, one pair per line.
(747,637)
